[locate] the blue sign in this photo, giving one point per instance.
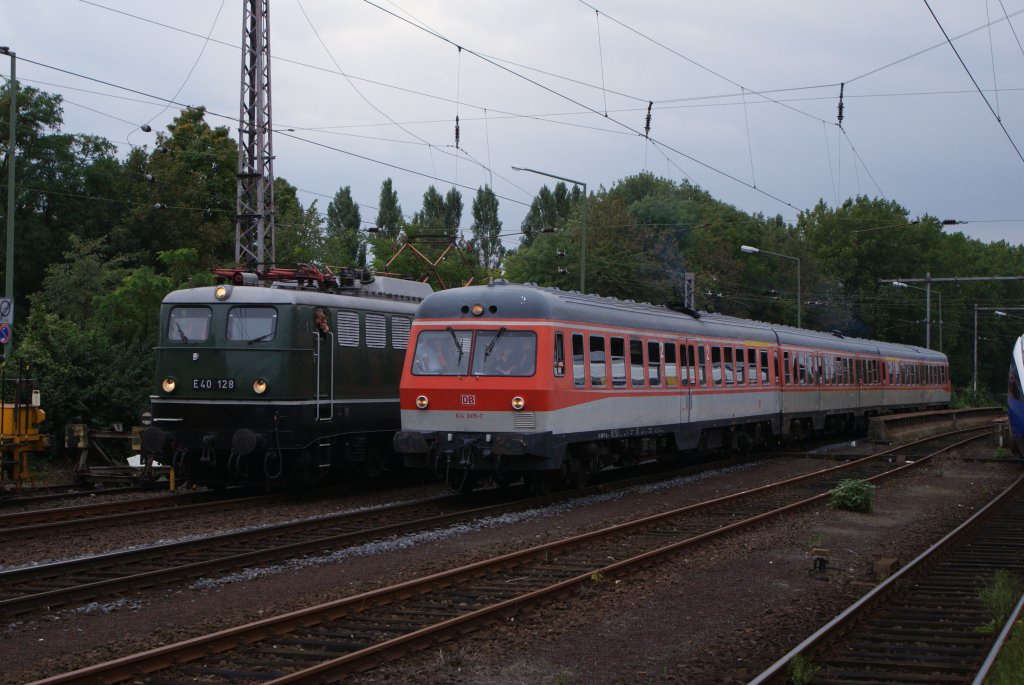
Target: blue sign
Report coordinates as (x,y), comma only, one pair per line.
(5,334)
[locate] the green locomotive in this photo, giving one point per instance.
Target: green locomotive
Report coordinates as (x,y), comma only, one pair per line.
(287,380)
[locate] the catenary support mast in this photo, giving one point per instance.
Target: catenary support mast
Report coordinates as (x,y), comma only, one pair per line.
(254,228)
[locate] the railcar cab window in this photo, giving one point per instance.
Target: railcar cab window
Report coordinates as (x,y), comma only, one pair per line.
(442,353)
(252,324)
(504,353)
(189,324)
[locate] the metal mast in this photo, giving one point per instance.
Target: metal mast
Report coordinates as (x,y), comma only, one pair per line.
(254,228)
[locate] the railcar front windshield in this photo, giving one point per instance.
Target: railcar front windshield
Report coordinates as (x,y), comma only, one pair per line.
(252,324)
(189,324)
(499,352)
(504,353)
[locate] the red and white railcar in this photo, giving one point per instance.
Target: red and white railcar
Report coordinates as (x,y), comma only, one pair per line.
(511,380)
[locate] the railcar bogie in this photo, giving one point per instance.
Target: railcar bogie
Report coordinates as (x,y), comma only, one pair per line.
(611,383)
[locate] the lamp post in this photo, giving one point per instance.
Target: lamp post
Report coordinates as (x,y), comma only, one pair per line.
(756,250)
(11,144)
(999,311)
(583,229)
(927,312)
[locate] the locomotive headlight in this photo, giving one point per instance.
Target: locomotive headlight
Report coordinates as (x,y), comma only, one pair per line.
(259,386)
(477,309)
(518,403)
(169,384)
(422,402)
(221,292)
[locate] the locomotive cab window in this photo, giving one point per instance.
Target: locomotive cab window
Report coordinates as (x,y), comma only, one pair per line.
(505,353)
(252,324)
(189,324)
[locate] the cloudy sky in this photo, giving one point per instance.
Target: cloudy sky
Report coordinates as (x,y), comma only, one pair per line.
(744,94)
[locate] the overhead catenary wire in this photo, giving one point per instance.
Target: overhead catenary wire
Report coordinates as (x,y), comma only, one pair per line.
(971,76)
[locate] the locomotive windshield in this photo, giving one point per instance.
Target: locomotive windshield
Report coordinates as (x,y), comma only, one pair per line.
(252,324)
(189,324)
(494,353)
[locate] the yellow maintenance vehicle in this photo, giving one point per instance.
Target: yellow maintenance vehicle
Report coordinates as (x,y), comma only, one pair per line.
(20,417)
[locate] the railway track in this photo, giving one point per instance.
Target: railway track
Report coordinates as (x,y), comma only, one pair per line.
(927,622)
(59,520)
(323,643)
(69,491)
(61,584)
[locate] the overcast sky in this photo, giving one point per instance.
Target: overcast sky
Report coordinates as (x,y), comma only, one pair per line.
(744,94)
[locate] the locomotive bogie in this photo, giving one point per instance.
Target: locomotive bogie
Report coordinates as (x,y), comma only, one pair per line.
(612,382)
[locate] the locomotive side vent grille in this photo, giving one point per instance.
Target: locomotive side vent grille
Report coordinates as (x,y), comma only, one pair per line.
(376,331)
(348,329)
(525,420)
(400,332)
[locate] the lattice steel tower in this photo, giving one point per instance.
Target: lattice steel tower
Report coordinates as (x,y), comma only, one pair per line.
(254,228)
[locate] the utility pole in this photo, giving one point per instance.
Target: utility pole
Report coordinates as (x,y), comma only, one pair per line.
(12,141)
(928,280)
(254,220)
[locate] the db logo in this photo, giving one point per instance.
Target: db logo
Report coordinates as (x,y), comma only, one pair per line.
(468,400)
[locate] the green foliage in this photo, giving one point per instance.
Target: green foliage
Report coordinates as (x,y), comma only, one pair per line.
(486,229)
(1000,596)
(800,671)
(344,244)
(852,495)
(967,397)
(1010,663)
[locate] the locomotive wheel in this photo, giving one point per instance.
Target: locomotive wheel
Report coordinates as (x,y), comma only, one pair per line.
(540,484)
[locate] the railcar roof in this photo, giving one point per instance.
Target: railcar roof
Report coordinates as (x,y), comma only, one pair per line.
(530,301)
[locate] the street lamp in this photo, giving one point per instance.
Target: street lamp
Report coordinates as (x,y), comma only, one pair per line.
(583,230)
(11,144)
(756,250)
(927,312)
(998,312)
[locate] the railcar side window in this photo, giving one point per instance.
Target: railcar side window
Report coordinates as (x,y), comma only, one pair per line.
(505,353)
(579,378)
(618,350)
(252,324)
(670,365)
(654,364)
(764,366)
(752,366)
(559,367)
(701,373)
(741,363)
(189,324)
(716,365)
(636,363)
(598,365)
(442,353)
(786,367)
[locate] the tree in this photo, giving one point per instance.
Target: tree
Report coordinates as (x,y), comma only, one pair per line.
(66,184)
(345,244)
(486,229)
(299,232)
(549,209)
(191,200)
